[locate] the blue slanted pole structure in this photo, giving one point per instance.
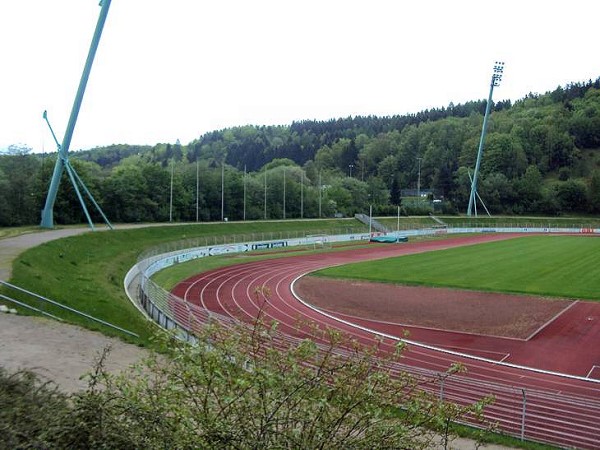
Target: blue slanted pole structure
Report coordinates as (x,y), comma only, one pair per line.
(62,162)
(496,78)
(76,181)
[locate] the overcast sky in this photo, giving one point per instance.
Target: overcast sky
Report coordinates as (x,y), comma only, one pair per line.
(175,69)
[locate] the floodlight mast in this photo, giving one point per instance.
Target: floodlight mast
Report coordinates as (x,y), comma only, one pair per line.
(63,150)
(496,78)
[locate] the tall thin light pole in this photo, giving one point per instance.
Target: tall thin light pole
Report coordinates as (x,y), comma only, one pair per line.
(171,194)
(320,194)
(302,195)
(265,203)
(496,78)
(222,191)
(244,192)
(197,187)
(398,227)
(284,193)
(419,159)
(370,219)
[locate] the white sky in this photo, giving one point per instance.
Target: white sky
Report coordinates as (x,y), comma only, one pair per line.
(175,69)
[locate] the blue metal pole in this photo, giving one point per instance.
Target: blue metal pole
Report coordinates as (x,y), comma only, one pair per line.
(496,77)
(63,151)
(70,172)
(90,196)
(480,151)
(45,116)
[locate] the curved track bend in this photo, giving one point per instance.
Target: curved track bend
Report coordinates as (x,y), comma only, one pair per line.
(559,410)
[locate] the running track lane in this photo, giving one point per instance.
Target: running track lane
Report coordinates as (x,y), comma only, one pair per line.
(560,410)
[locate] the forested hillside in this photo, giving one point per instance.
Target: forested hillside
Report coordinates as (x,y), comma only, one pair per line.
(541,156)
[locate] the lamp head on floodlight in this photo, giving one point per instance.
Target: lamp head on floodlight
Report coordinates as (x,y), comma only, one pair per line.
(497,76)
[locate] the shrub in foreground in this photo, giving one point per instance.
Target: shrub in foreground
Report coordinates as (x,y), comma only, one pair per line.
(244,387)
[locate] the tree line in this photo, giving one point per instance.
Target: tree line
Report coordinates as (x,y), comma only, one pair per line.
(541,156)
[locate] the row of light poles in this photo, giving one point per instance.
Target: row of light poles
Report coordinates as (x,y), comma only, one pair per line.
(351,166)
(244,195)
(498,71)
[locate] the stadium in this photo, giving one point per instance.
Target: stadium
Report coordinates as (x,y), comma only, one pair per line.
(538,396)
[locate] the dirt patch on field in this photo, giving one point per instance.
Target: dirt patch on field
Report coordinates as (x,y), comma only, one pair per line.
(486,313)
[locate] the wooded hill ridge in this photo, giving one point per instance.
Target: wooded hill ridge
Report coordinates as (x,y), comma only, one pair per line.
(541,156)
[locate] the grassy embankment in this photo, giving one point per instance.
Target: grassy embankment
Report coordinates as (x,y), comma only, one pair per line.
(86,272)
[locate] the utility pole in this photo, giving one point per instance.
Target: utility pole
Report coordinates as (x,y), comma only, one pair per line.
(302,195)
(419,159)
(320,194)
(222,191)
(197,187)
(496,78)
(265,217)
(284,193)
(244,192)
(171,194)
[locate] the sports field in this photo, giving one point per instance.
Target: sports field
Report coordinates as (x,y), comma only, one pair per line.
(558,266)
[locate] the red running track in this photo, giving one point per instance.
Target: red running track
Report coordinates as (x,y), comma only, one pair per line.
(560,410)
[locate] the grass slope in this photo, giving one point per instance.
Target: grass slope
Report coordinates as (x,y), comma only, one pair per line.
(561,266)
(86,272)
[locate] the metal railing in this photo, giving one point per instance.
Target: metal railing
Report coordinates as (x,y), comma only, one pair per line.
(207,241)
(58,305)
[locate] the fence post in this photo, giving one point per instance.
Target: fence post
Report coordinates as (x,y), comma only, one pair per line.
(524,413)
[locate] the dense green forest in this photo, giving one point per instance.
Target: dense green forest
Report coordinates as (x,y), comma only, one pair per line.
(541,156)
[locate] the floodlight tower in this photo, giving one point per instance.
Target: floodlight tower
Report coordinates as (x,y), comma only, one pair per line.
(62,161)
(496,78)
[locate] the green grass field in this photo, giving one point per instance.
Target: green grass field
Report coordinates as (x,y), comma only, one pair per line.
(561,266)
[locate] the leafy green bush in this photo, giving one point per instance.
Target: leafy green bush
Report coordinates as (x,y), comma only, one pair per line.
(240,387)
(32,412)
